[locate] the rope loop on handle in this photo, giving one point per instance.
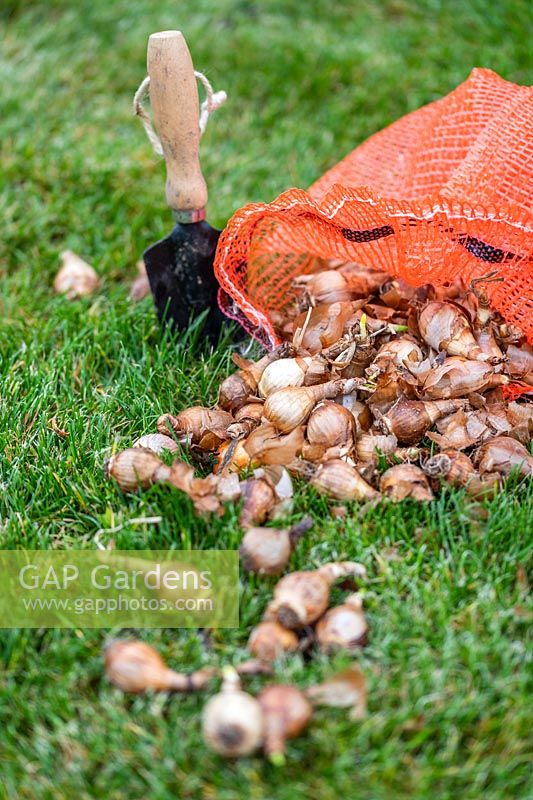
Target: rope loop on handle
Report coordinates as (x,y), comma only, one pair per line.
(213,100)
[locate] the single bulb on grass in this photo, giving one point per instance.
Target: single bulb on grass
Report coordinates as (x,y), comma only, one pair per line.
(232,720)
(135,667)
(267,550)
(269,641)
(343,627)
(286,713)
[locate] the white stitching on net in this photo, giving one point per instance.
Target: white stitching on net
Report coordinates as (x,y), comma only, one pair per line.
(213,100)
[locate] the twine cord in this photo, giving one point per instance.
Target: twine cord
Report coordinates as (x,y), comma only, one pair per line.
(213,100)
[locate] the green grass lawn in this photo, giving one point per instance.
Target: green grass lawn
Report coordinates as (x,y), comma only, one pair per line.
(449,714)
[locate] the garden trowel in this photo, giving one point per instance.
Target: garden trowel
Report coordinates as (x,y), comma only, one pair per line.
(180,267)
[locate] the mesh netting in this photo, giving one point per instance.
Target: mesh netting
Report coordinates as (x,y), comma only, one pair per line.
(441,193)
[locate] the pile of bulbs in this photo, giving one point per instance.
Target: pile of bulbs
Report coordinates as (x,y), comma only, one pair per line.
(370,371)
(379,391)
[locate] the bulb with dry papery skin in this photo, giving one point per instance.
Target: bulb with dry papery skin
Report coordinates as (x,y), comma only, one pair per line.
(362,280)
(445,327)
(286,713)
(288,408)
(318,371)
(205,427)
(266,445)
(450,290)
(324,325)
(368,445)
(136,667)
(228,487)
(281,482)
(328,286)
(452,465)
(340,352)
(259,498)
(237,389)
(269,641)
(250,411)
(343,627)
(519,362)
(478,299)
(509,334)
(460,430)
(481,487)
(483,314)
(419,370)
(281,373)
(489,346)
(520,417)
(405,480)
(182,475)
(300,598)
(232,456)
(232,720)
(457,469)
(167,423)
(407,454)
(359,410)
(76,278)
(137,467)
(381,312)
(157,443)
(409,420)
(246,419)
(356,365)
(496,420)
(330,425)
(503,454)
(341,481)
(369,472)
(346,689)
(202,491)
(397,351)
(457,377)
(397,294)
(390,386)
(267,550)
(319,453)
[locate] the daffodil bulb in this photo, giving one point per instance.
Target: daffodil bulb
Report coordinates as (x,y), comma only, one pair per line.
(232,720)
(281,373)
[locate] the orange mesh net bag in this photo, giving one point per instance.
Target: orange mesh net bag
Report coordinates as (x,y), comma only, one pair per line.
(441,193)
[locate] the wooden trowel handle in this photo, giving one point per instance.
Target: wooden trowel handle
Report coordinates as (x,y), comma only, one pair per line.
(175,106)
